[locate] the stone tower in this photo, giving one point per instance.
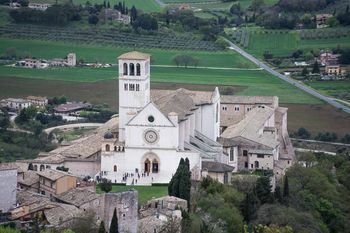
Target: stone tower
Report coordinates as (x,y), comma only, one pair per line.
(134,86)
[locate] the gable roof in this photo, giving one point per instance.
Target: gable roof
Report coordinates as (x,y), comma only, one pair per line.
(53,174)
(134,119)
(134,55)
(249,127)
(77,196)
(212,166)
(180,101)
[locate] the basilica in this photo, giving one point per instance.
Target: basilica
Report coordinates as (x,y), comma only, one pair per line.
(143,144)
(217,134)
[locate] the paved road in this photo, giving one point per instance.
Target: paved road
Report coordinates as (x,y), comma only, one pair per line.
(289,80)
(72,126)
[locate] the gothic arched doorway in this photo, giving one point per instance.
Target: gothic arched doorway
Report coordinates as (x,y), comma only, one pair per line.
(147,166)
(150,163)
(155,166)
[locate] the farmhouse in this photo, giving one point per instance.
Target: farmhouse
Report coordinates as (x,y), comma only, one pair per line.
(37,100)
(16,103)
(54,182)
(321,20)
(116,15)
(71,108)
(33,63)
(39,6)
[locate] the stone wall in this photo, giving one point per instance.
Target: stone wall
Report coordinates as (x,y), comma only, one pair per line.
(8,187)
(126,204)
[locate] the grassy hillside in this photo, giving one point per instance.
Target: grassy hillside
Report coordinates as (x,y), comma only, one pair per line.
(254,82)
(108,54)
(284,43)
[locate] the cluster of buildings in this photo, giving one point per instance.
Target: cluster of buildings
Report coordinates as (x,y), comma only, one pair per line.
(115,15)
(58,199)
(219,134)
(33,6)
(70,61)
(20,103)
(331,63)
(156,128)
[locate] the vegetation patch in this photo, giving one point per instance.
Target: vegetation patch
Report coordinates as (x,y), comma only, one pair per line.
(145,193)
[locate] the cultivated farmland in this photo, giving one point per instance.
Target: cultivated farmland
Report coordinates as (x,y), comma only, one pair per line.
(111,37)
(315,118)
(108,54)
(284,43)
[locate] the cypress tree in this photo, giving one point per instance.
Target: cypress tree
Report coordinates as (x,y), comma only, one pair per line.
(180,185)
(114,223)
(316,68)
(278,194)
(102,228)
(286,188)
(250,205)
(263,190)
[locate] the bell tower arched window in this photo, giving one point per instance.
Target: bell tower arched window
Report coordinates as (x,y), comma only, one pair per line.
(138,69)
(115,168)
(125,69)
(132,69)
(108,148)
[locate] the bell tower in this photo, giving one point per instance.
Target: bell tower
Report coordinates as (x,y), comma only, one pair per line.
(134,86)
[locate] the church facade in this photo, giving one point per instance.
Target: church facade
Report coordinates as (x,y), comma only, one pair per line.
(158,128)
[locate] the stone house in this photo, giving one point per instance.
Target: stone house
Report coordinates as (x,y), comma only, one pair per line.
(33,63)
(37,100)
(112,14)
(28,180)
(8,184)
(161,215)
(16,103)
(54,182)
(333,69)
(321,20)
(217,171)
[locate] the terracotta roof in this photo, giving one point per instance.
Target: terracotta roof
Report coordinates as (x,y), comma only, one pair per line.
(73,106)
(61,214)
(249,127)
(53,174)
(135,55)
(77,196)
(28,178)
(8,166)
(212,166)
(180,101)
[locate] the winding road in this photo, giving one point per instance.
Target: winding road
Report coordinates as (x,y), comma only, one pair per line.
(287,79)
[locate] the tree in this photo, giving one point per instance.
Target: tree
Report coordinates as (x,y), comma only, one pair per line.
(316,68)
(222,43)
(257,4)
(286,188)
(180,183)
(304,72)
(106,185)
(278,194)
(102,229)
(263,190)
(133,14)
(236,9)
(303,133)
(4,121)
(250,205)
(114,228)
(146,22)
(93,19)
(185,60)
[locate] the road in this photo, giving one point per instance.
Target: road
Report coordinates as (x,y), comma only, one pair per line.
(72,126)
(289,80)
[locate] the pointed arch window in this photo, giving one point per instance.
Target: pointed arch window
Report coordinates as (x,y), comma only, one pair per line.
(132,69)
(138,69)
(125,69)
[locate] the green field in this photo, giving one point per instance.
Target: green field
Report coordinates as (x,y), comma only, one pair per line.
(145,193)
(255,82)
(108,54)
(144,5)
(284,44)
(331,88)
